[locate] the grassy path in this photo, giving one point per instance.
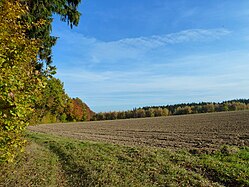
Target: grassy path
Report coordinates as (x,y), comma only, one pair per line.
(38,166)
(56,161)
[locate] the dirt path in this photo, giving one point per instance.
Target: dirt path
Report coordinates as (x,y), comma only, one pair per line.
(203,131)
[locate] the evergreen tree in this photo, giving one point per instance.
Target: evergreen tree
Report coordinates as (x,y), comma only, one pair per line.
(44,10)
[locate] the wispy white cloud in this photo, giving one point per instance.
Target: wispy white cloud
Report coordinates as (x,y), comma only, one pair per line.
(179,37)
(96,51)
(209,77)
(155,53)
(146,76)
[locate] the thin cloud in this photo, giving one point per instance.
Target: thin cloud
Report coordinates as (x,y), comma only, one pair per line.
(213,75)
(129,71)
(174,38)
(136,48)
(96,51)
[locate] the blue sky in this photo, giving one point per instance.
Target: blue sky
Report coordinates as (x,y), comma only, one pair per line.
(133,53)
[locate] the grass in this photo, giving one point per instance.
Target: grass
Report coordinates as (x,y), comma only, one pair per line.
(38,166)
(56,161)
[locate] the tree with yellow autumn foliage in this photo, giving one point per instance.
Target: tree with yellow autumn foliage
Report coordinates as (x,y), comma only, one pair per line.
(20,83)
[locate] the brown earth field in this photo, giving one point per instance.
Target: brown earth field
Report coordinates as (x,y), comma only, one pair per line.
(196,131)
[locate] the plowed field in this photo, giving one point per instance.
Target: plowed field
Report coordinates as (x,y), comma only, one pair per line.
(202,131)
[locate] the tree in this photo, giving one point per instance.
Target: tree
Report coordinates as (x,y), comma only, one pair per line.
(26,42)
(51,104)
(150,112)
(158,112)
(224,107)
(208,108)
(121,115)
(114,115)
(78,110)
(129,114)
(44,10)
(183,110)
(140,113)
(165,112)
(19,82)
(101,116)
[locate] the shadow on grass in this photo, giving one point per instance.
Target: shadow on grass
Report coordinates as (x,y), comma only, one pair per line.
(87,164)
(76,175)
(228,166)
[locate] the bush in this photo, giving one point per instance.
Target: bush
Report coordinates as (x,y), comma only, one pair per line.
(19,81)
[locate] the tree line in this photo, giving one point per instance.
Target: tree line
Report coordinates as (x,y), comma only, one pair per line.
(54,105)
(28,91)
(29,94)
(177,109)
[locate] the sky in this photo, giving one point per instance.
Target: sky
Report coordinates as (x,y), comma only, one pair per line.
(135,53)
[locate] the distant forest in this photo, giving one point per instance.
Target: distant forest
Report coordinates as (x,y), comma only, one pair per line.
(177,109)
(56,106)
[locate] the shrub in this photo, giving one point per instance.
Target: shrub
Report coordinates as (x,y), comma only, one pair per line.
(19,81)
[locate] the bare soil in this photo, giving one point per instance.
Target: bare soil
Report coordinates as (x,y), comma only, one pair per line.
(197,131)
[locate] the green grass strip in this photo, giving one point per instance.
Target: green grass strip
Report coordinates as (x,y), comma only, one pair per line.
(84,163)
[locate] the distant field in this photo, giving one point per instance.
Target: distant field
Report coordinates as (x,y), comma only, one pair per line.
(200,131)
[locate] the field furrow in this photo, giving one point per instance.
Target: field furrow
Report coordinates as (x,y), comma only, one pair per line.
(201,131)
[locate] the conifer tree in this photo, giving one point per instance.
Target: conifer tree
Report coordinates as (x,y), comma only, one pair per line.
(45,9)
